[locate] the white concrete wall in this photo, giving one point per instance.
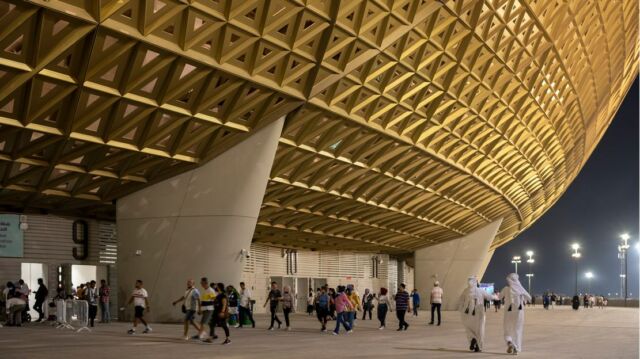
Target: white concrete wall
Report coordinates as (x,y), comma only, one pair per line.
(194,224)
(452,263)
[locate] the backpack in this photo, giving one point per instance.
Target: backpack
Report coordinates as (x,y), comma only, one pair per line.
(323,301)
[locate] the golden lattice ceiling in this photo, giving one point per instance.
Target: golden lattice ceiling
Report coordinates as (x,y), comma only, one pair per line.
(408,122)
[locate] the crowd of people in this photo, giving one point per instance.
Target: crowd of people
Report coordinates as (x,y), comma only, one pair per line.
(218,305)
(16,299)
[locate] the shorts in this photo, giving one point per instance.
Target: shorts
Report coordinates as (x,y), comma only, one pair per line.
(189,315)
(206,316)
(139,311)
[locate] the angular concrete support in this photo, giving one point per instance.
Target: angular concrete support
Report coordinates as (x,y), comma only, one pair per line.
(453,262)
(194,224)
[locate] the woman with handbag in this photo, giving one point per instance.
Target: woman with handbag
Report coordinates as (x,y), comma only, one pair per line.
(220,314)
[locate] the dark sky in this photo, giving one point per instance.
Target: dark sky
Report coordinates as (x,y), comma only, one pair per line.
(598,206)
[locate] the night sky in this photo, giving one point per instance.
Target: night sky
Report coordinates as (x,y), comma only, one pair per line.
(597,207)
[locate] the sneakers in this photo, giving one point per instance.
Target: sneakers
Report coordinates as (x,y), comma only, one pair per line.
(226,341)
(473,344)
(208,340)
(236,326)
(381,328)
(430,323)
(270,328)
(334,333)
(186,338)
(510,348)
(196,337)
(324,330)
(131,331)
(349,331)
(147,330)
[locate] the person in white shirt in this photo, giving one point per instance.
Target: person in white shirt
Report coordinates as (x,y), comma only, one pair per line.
(384,306)
(140,300)
(245,305)
(436,301)
(15,306)
(515,299)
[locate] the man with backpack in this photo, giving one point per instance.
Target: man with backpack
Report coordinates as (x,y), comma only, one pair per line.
(322,302)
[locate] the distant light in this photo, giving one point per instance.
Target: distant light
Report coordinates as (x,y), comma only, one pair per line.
(589,275)
(575,246)
(529,253)
(625,236)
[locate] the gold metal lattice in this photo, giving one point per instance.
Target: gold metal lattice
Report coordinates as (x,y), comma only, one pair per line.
(408,122)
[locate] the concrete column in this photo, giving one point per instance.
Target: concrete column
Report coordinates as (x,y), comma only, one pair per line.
(453,262)
(194,224)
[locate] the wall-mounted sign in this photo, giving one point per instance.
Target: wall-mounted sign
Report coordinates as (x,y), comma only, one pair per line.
(11,237)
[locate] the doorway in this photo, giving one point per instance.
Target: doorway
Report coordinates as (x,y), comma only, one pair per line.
(30,272)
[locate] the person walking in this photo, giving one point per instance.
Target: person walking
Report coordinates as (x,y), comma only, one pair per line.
(41,296)
(273,299)
(287,305)
(310,301)
(92,297)
(322,303)
(105,300)
(343,306)
(436,301)
(496,301)
(220,314)
(515,299)
(245,305)
(140,299)
(354,298)
(402,305)
(234,300)
(472,313)
(207,299)
(332,305)
(384,306)
(190,304)
(367,304)
(415,301)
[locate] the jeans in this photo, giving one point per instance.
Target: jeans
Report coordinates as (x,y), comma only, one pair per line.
(382,314)
(104,311)
(274,317)
(93,310)
(351,316)
(401,322)
(341,318)
(38,308)
(434,307)
(245,312)
(286,315)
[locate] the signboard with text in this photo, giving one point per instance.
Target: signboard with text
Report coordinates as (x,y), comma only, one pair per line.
(11,239)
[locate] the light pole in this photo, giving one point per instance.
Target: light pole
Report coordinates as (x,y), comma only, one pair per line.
(622,254)
(589,275)
(530,274)
(516,260)
(576,255)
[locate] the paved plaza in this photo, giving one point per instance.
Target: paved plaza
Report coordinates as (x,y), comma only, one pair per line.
(560,333)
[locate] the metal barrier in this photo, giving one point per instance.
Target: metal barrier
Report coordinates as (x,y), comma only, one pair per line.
(71,314)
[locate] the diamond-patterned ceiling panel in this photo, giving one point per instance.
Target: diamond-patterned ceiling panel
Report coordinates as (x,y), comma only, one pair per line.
(409,122)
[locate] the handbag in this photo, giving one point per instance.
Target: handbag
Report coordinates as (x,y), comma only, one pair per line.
(184,309)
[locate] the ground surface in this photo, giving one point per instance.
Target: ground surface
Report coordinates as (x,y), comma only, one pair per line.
(558,333)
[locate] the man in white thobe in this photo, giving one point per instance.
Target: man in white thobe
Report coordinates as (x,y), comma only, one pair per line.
(472,313)
(515,300)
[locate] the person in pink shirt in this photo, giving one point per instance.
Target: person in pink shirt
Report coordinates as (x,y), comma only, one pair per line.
(343,306)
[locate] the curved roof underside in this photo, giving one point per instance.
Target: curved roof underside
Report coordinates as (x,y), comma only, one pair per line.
(408,122)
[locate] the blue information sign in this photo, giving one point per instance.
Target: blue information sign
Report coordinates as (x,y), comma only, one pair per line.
(11,240)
